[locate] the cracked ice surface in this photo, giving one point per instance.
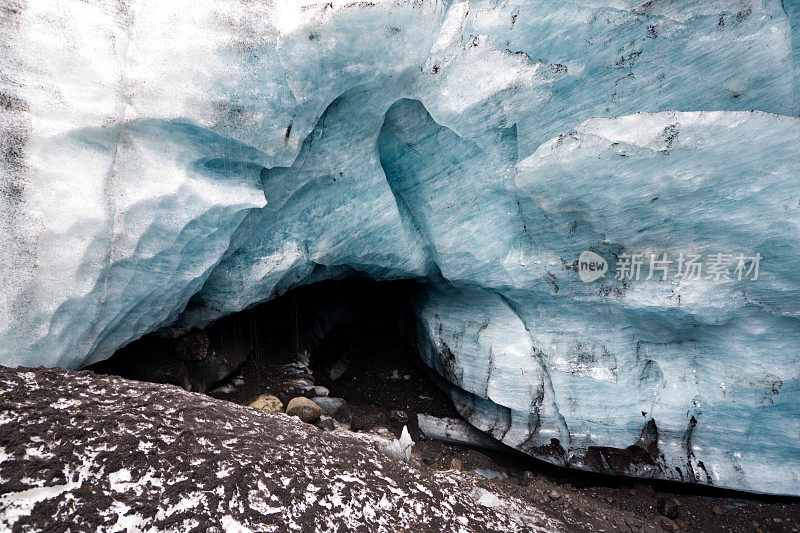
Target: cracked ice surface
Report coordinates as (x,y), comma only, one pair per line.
(218,154)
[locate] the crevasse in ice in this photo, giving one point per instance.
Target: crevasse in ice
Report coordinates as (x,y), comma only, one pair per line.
(223,152)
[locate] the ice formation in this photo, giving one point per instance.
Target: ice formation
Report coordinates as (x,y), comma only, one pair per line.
(216,154)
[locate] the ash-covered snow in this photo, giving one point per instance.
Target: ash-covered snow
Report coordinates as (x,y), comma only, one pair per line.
(129,455)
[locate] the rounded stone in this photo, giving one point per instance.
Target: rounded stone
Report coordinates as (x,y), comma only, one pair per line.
(267,402)
(304,409)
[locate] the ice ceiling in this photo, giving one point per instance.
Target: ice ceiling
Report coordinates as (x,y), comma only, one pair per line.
(158,154)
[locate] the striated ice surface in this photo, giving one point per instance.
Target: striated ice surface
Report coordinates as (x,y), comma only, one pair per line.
(169,163)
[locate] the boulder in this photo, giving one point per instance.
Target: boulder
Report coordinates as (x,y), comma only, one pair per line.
(303,408)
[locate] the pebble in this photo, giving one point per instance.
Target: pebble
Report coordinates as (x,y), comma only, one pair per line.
(266,402)
(326,423)
(554,495)
(717,510)
(304,409)
(330,406)
(301,384)
(318,391)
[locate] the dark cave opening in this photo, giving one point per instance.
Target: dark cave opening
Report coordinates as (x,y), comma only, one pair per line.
(352,338)
(312,319)
(348,339)
(355,335)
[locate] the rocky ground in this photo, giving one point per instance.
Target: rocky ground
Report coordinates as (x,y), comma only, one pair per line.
(83,452)
(86,452)
(384,388)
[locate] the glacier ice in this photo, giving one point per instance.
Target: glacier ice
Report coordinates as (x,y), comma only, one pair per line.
(167,164)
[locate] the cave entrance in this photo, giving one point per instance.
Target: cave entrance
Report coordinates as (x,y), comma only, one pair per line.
(347,339)
(345,344)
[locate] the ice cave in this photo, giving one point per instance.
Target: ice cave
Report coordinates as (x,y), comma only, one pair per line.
(590,210)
